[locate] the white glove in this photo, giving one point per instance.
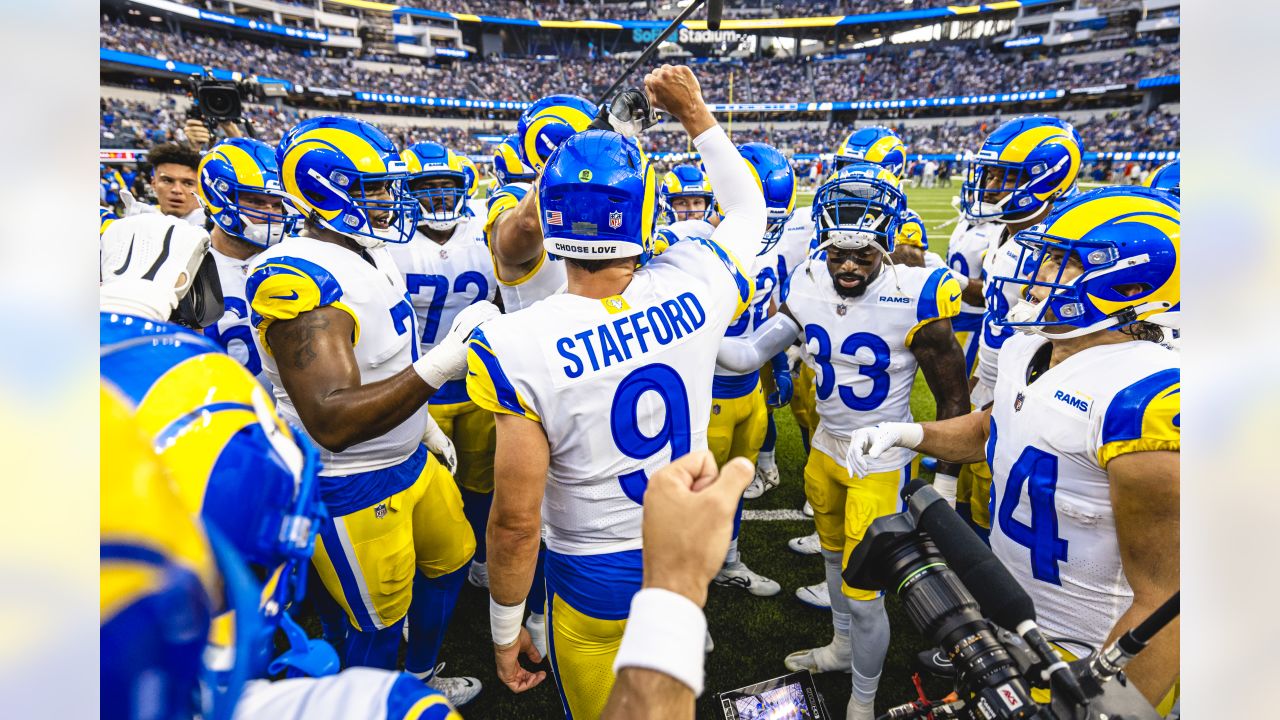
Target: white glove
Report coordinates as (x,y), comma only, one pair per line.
(133,207)
(946,487)
(870,443)
(448,359)
(440,444)
(795,358)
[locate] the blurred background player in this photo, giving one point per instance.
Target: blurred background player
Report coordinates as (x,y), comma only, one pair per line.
(240,190)
(1167,177)
(524,271)
(447,268)
(174,181)
(1084,432)
(598,199)
(686,194)
(338,339)
(1011,184)
(867,326)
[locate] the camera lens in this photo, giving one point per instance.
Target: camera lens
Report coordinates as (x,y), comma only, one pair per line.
(220,103)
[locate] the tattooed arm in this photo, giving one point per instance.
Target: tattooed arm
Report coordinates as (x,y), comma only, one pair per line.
(318,369)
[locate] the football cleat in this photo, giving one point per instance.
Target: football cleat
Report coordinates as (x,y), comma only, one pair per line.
(709,644)
(818,595)
(478,575)
(807,545)
(835,657)
(458,690)
(537,627)
(740,576)
(807,510)
(859,710)
(766,479)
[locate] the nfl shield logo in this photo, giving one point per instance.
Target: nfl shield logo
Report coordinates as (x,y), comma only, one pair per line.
(1017,402)
(715,409)
(615,219)
(841,310)
(380,511)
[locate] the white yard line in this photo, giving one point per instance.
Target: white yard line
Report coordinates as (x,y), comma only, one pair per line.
(773,515)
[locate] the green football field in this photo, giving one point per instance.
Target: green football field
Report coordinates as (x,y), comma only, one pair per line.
(752,635)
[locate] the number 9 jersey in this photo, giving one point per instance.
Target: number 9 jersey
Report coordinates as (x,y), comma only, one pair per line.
(1050,441)
(621,386)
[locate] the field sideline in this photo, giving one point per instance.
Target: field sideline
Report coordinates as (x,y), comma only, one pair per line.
(752,635)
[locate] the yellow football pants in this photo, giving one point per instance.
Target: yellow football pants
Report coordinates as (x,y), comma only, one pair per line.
(584,648)
(738,426)
(844,507)
(471,428)
(804,400)
(975,483)
(367,559)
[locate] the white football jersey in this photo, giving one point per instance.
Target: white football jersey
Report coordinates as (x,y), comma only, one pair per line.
(442,279)
(859,349)
(621,386)
(1052,523)
(357,692)
(966,250)
(998,262)
(799,236)
(545,279)
(233,331)
(300,274)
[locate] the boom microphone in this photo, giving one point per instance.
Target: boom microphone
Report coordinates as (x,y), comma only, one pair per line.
(715,8)
(999,594)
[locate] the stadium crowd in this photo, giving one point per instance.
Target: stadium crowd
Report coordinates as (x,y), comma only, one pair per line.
(649,9)
(889,74)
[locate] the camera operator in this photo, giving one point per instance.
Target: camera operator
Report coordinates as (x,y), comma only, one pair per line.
(1083,436)
(174,182)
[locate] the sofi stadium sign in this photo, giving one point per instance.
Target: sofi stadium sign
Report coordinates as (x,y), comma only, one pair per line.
(685,36)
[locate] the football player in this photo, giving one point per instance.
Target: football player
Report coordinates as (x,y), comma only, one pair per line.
(179,416)
(1011,184)
(1167,177)
(240,190)
(524,270)
(867,326)
(446,268)
(1083,435)
(339,341)
(637,346)
(686,195)
(174,181)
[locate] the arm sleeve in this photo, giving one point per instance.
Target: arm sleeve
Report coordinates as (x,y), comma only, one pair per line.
(741,232)
(283,288)
(751,352)
(1144,417)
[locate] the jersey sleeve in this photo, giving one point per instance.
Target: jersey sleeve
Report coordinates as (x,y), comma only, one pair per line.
(1144,417)
(488,384)
(283,288)
(912,232)
(506,198)
(741,280)
(939,299)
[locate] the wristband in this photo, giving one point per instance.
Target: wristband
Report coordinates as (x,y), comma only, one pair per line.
(666,632)
(436,367)
(504,621)
(946,487)
(910,435)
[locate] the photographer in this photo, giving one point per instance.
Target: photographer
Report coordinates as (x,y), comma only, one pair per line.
(174,181)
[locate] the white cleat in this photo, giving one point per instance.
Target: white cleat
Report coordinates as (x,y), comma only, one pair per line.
(807,509)
(458,690)
(807,545)
(709,645)
(859,710)
(740,576)
(827,658)
(766,479)
(537,627)
(478,575)
(818,596)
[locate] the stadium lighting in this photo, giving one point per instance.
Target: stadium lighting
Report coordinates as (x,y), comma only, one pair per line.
(155,18)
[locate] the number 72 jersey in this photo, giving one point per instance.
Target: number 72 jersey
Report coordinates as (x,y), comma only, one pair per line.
(1052,523)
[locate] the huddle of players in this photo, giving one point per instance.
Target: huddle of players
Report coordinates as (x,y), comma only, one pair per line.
(360,319)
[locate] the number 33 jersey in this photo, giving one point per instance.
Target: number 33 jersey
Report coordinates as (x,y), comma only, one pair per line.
(301,274)
(859,348)
(621,386)
(1052,522)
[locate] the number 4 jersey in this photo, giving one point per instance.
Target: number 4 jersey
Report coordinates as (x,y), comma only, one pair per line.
(301,274)
(859,348)
(1052,523)
(621,386)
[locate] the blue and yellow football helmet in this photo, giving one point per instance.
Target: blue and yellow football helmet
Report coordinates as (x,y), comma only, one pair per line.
(777,181)
(441,207)
(508,165)
(686,181)
(105,217)
(158,581)
(598,198)
(232,460)
(546,124)
(1167,177)
(1126,241)
(860,206)
(231,171)
(346,175)
(470,177)
(1022,168)
(875,144)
